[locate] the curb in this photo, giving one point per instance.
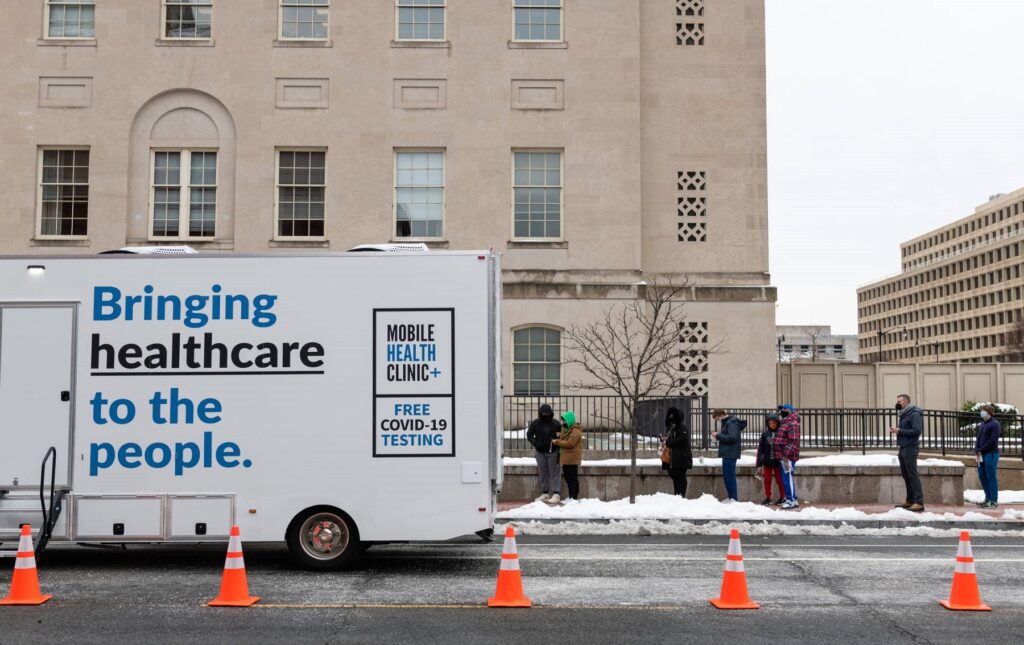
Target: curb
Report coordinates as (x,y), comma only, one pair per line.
(993,525)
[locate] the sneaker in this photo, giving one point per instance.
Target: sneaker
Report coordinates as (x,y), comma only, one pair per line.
(982,504)
(767,501)
(916,508)
(728,500)
(543,498)
(989,504)
(789,504)
(780,501)
(568,501)
(554,499)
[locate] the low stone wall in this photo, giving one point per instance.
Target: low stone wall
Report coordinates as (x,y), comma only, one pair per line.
(824,484)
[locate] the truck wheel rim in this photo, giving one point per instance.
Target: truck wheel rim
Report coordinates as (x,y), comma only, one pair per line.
(324,536)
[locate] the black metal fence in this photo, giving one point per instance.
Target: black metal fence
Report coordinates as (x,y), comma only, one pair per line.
(828,429)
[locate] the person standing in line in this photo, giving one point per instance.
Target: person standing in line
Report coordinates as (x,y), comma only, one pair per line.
(770,467)
(677,440)
(570,454)
(908,440)
(728,439)
(986,451)
(786,448)
(540,434)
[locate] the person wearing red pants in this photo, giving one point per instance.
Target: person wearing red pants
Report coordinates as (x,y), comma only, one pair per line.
(771,468)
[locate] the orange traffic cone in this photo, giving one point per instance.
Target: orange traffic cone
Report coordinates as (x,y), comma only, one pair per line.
(510,581)
(734,582)
(234,588)
(965,596)
(25,583)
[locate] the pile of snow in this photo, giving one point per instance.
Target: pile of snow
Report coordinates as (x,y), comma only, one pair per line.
(746,460)
(1005,496)
(662,506)
(720,529)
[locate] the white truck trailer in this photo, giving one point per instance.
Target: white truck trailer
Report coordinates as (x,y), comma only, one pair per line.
(330,401)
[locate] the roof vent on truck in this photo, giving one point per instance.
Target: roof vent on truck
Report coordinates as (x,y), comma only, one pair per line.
(418,247)
(153,250)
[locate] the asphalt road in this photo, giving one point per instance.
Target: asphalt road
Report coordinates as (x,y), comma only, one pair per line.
(588,589)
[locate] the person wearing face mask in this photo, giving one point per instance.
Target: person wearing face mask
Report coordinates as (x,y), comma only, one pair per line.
(986,450)
(570,455)
(786,449)
(772,468)
(908,440)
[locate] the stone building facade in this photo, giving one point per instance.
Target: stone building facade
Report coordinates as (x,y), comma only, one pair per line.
(958,296)
(592,142)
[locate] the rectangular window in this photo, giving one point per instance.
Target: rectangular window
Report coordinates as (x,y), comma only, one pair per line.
(419,193)
(188,19)
(63,192)
(70,18)
(184,194)
(538,20)
(421,19)
(536,362)
(537,194)
(304,19)
(301,188)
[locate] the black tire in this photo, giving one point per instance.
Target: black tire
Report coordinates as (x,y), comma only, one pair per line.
(308,548)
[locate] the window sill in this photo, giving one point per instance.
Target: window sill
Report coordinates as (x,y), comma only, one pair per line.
(199,243)
(299,244)
(421,44)
(537,44)
(66,42)
(304,43)
(431,244)
(528,244)
(185,42)
(57,241)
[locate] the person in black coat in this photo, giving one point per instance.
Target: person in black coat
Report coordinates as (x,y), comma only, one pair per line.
(677,439)
(771,468)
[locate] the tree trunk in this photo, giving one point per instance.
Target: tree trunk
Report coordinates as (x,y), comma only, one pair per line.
(632,457)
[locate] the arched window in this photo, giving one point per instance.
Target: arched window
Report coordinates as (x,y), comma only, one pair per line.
(536,361)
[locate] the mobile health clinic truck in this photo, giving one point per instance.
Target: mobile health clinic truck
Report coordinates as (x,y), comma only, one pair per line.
(326,400)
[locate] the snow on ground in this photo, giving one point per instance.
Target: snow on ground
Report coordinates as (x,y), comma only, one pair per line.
(721,529)
(662,506)
(748,460)
(1005,496)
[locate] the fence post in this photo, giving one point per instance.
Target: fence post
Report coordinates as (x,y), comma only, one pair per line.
(942,436)
(863,433)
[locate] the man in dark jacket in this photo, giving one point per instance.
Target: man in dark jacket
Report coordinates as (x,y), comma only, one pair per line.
(908,440)
(677,439)
(728,449)
(540,433)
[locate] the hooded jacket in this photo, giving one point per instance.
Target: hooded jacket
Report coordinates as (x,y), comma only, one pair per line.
(570,441)
(786,444)
(729,437)
(678,440)
(911,426)
(543,429)
(764,447)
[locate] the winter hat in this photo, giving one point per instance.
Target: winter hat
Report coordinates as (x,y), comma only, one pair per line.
(569,417)
(788,407)
(673,416)
(546,411)
(772,417)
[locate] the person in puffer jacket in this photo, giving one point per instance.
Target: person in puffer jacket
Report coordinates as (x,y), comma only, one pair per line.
(542,431)
(786,448)
(771,468)
(570,454)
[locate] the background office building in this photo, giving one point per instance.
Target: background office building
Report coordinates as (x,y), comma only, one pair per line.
(592,142)
(813,343)
(959,295)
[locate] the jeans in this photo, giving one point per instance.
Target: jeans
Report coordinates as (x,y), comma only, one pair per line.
(549,473)
(908,470)
(787,480)
(678,476)
(729,475)
(769,473)
(988,474)
(571,474)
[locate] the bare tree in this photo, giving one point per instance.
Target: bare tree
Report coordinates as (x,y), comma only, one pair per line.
(1015,340)
(815,334)
(634,351)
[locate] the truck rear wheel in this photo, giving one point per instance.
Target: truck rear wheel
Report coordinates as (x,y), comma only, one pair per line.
(323,539)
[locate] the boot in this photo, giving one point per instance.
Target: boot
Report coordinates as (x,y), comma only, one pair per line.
(916,508)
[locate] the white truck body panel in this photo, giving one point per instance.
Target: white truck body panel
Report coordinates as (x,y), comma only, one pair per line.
(212,390)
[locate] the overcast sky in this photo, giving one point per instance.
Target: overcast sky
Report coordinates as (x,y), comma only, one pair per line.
(886,119)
